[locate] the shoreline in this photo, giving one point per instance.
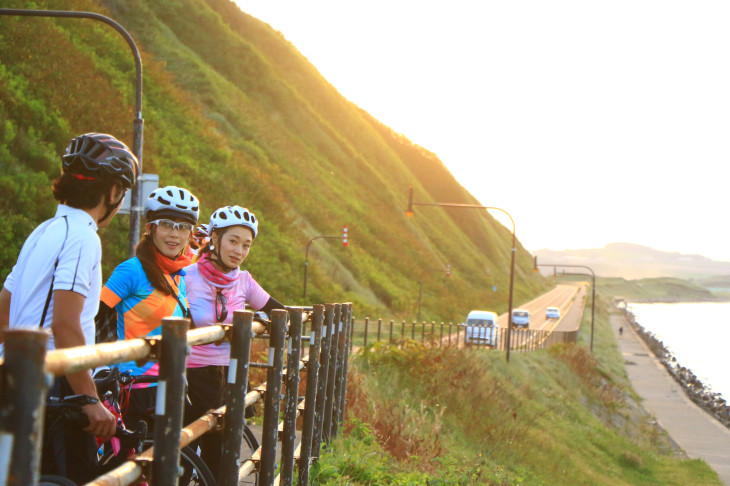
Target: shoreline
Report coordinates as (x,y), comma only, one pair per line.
(667,300)
(711,402)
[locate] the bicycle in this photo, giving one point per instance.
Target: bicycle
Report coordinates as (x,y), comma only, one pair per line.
(195,470)
(111,387)
(68,409)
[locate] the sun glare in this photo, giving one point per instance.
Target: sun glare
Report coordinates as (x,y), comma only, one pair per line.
(581,119)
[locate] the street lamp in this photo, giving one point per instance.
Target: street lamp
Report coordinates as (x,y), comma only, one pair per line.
(593,286)
(138,124)
(409,213)
(306,255)
(446,269)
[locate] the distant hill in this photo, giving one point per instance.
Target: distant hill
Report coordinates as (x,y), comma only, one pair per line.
(632,261)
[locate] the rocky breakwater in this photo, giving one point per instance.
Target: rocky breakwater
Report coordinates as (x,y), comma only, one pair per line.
(705,398)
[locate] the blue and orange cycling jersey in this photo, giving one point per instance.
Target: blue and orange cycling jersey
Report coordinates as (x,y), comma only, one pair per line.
(140,307)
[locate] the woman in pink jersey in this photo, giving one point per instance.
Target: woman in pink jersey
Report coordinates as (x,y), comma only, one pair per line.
(215,288)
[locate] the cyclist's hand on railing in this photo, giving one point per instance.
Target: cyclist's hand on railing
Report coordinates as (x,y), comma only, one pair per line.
(101,421)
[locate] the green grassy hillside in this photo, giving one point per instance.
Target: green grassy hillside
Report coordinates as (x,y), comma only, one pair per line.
(235,113)
(562,416)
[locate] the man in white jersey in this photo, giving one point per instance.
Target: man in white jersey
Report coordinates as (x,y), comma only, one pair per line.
(56,283)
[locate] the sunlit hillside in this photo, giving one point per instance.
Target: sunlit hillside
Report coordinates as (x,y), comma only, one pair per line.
(235,113)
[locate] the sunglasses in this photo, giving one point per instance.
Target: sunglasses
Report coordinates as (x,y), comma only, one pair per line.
(168,225)
(221,315)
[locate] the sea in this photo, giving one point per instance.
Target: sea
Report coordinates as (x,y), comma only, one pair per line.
(696,334)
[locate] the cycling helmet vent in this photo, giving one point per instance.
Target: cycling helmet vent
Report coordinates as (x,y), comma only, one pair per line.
(180,206)
(234,216)
(172,201)
(101,156)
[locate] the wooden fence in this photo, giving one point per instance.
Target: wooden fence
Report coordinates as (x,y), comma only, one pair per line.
(27,369)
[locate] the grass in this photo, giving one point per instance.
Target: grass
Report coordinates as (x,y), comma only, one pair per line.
(563,416)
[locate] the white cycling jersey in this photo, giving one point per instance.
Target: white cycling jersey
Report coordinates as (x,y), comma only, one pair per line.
(62,253)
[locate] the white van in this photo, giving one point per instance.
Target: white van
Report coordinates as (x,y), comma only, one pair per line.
(481,328)
(521,318)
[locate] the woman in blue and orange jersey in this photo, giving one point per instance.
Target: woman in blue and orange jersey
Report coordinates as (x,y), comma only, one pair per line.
(150,286)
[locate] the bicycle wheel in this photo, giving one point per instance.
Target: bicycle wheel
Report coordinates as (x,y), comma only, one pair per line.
(195,471)
(249,445)
(53,480)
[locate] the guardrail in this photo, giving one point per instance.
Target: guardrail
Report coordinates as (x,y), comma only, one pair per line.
(27,369)
(367,333)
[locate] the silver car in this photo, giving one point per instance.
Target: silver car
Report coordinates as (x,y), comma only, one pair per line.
(521,318)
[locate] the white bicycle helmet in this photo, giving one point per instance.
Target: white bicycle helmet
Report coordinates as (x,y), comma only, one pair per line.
(171,201)
(234,216)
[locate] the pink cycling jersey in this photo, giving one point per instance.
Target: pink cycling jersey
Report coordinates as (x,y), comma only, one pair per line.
(202,300)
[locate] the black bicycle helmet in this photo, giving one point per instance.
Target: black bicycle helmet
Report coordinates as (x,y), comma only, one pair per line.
(98,155)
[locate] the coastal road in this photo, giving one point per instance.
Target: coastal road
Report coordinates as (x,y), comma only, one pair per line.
(570,299)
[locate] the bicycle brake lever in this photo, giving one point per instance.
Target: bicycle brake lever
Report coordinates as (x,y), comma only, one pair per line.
(80,400)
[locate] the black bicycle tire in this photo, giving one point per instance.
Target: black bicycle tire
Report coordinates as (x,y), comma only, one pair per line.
(188,455)
(251,444)
(54,480)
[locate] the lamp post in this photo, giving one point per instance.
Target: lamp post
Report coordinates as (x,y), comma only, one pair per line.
(446,269)
(593,286)
(409,213)
(138,124)
(306,254)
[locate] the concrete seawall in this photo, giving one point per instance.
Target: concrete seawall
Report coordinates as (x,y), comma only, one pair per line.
(695,430)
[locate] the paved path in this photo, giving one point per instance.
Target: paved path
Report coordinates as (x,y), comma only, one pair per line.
(696,431)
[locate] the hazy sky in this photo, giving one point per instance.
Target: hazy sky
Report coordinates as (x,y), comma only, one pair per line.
(589,122)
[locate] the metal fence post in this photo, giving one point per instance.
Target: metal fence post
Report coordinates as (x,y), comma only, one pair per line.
(170,401)
(339,370)
(272,398)
(352,332)
(331,376)
(365,335)
(310,396)
(324,357)
(390,337)
(380,323)
(22,404)
(292,394)
(236,388)
(342,399)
